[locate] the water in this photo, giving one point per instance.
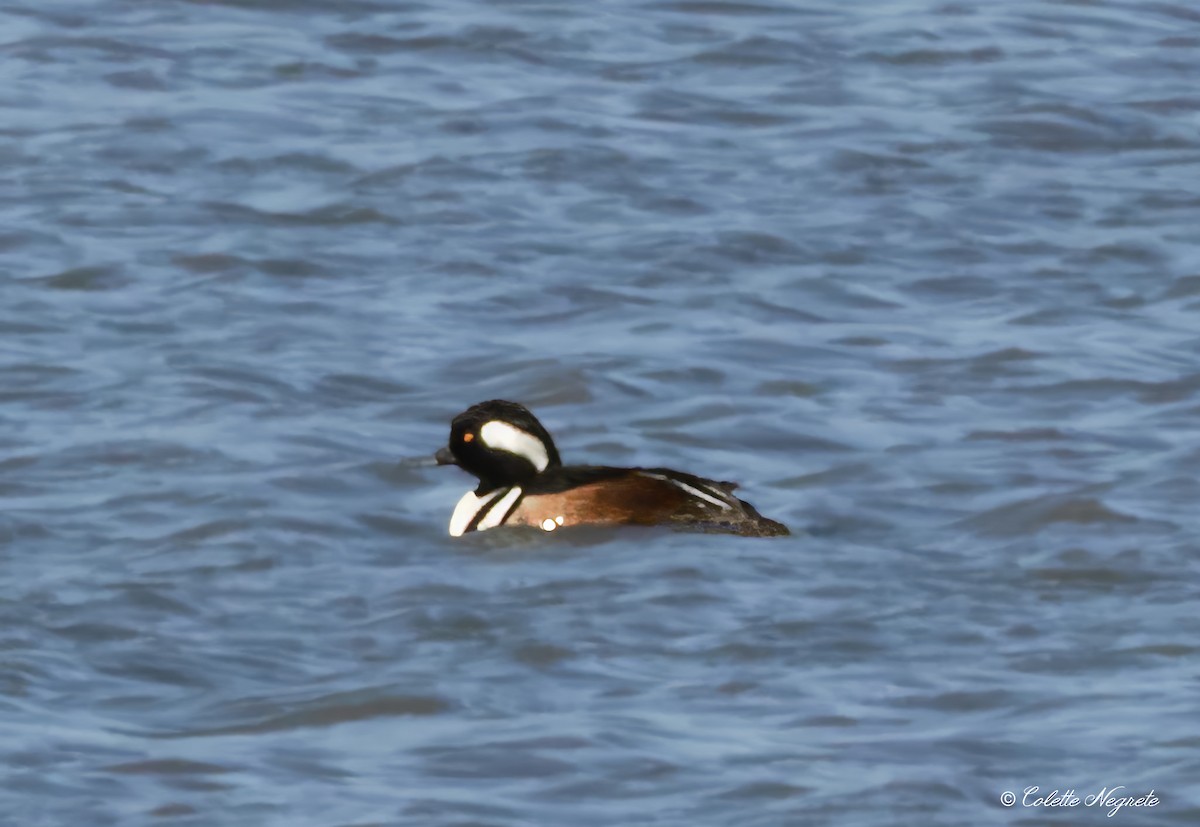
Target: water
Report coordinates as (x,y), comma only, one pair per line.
(924,277)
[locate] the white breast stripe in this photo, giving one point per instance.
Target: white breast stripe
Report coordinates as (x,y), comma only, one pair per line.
(695,492)
(498,513)
(504,437)
(467,508)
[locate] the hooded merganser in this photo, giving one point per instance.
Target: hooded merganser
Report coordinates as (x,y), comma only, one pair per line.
(522,481)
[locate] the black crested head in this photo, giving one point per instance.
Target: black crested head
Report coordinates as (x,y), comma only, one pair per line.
(501,443)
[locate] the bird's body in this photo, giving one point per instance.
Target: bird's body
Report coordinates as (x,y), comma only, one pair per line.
(522,482)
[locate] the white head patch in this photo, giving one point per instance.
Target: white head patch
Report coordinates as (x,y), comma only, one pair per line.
(501,436)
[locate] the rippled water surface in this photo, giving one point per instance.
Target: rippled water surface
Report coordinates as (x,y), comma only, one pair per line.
(923,276)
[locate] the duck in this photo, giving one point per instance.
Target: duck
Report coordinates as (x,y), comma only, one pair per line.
(523,482)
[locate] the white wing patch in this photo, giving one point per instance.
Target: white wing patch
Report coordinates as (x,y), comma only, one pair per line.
(693,490)
(498,513)
(470,506)
(467,508)
(504,437)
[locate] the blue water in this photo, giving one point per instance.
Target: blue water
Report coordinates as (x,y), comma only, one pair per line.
(923,277)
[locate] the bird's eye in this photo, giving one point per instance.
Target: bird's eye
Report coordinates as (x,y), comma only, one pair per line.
(467,437)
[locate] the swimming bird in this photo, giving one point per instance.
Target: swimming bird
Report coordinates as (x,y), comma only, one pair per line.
(523,482)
